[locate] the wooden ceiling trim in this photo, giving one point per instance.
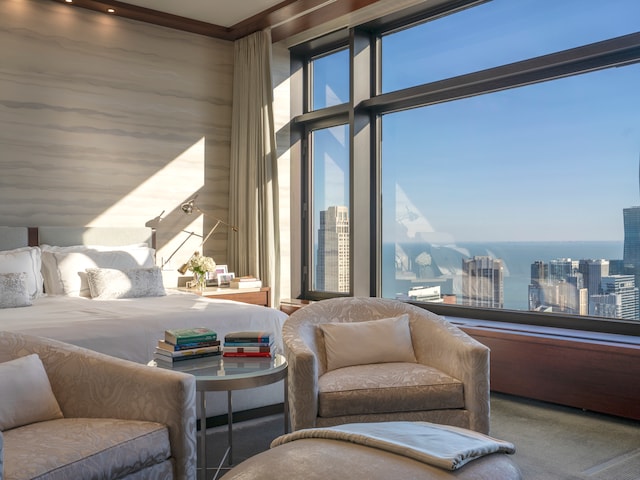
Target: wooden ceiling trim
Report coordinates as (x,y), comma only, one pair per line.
(317,17)
(287,18)
(275,15)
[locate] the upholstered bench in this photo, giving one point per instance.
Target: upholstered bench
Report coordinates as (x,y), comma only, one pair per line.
(327,454)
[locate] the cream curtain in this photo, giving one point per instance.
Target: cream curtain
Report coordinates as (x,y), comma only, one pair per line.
(253,199)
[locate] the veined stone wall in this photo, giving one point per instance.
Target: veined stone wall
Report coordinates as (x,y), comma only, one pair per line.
(108,122)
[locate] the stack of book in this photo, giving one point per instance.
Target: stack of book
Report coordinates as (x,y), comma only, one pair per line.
(187,343)
(248,344)
(245,282)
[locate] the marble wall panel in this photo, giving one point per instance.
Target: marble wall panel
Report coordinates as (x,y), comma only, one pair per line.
(106,121)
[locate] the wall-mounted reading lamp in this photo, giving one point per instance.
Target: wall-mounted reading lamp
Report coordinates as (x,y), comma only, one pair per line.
(188,208)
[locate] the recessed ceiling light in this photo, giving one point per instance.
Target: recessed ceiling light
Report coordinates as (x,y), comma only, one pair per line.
(69,1)
(111,10)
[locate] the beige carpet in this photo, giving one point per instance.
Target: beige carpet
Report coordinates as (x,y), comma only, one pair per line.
(552,442)
(555,442)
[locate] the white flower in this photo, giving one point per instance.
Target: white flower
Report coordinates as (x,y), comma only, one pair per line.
(201,264)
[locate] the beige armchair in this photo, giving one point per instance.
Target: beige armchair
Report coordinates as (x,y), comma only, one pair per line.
(447,383)
(116,418)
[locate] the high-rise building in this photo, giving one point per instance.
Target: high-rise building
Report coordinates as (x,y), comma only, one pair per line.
(539,272)
(332,268)
(624,288)
(631,252)
(562,268)
(483,282)
(558,287)
(592,273)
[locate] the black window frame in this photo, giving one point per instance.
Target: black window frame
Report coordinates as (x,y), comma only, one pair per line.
(614,52)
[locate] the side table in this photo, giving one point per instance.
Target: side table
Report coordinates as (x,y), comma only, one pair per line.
(255,296)
(218,373)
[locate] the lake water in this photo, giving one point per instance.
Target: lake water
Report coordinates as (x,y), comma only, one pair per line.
(517,258)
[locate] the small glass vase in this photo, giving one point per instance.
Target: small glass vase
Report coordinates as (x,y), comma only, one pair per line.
(199,280)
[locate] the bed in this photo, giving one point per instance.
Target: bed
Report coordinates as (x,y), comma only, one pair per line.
(64,308)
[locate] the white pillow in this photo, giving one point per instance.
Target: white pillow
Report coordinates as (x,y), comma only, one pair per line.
(64,268)
(372,341)
(26,396)
(24,259)
(14,290)
(109,283)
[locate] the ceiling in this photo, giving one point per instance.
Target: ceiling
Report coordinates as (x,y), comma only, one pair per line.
(225,13)
(233,19)
(230,19)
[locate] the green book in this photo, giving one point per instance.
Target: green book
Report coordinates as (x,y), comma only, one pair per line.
(179,336)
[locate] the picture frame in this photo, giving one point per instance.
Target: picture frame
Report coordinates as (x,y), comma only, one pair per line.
(221,269)
(212,277)
(224,279)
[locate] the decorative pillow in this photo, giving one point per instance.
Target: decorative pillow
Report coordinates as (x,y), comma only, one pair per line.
(372,341)
(64,267)
(109,283)
(24,259)
(26,396)
(14,290)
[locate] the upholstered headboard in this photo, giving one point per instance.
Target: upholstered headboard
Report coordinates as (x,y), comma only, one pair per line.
(66,236)
(15,237)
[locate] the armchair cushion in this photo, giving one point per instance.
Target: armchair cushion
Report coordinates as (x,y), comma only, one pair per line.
(374,341)
(387,388)
(83,447)
(26,396)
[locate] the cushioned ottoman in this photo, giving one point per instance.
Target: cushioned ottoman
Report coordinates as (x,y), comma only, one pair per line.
(311,457)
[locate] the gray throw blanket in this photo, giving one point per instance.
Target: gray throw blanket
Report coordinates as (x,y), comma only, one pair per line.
(438,445)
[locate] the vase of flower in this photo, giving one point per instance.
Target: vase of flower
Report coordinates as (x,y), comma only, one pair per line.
(200,280)
(200,265)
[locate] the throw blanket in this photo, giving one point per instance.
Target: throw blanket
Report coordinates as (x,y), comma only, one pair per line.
(438,445)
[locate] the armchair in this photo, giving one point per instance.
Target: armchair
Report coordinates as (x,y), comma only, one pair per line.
(116,418)
(448,383)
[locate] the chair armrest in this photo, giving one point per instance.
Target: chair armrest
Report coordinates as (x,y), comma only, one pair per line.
(303,382)
(88,384)
(452,351)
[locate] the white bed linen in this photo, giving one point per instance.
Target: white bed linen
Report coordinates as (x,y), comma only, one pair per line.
(131,328)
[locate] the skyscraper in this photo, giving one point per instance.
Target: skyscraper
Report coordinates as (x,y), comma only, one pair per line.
(332,269)
(592,273)
(623,288)
(539,272)
(483,282)
(631,253)
(558,287)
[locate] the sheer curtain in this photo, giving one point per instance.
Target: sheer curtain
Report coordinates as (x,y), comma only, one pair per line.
(254,249)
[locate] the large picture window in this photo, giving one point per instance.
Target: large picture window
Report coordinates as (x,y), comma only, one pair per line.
(503,142)
(515,199)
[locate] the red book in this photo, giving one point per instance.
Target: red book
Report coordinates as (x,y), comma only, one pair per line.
(247,354)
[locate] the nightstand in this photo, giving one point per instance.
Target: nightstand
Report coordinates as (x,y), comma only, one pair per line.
(290,305)
(255,296)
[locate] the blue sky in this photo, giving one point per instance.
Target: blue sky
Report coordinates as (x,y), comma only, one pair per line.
(547,162)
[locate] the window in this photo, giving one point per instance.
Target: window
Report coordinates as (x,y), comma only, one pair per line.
(497,33)
(482,193)
(330,226)
(504,149)
(330,80)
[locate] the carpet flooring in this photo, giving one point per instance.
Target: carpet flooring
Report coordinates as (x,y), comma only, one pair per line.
(552,442)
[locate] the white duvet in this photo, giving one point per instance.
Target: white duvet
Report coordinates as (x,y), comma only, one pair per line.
(131,328)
